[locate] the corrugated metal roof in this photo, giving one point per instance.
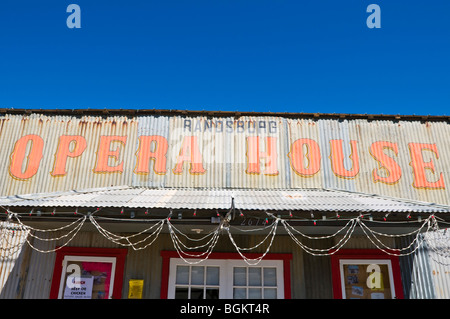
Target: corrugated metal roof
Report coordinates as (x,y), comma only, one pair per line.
(248,199)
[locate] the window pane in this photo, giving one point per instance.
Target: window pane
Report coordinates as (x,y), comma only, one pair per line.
(270,293)
(254,277)
(197,275)
(270,277)
(239,293)
(182,275)
(212,293)
(181,293)
(213,278)
(212,275)
(239,276)
(196,293)
(254,293)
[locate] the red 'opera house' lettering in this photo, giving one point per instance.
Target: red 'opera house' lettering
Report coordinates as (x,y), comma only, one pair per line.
(312,155)
(254,155)
(144,154)
(31,160)
(386,163)
(105,153)
(420,166)
(63,152)
(262,156)
(337,159)
(190,153)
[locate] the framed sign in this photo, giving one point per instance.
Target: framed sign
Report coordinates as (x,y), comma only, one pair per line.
(87,277)
(88,273)
(365,274)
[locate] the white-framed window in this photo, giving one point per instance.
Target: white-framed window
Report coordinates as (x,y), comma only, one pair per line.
(87,277)
(225,279)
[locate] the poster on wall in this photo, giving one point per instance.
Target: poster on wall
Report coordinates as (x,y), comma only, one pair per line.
(135,289)
(87,277)
(366,281)
(79,287)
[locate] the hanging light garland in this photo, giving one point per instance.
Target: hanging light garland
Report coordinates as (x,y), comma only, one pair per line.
(195,250)
(119,240)
(255,261)
(12,238)
(397,251)
(438,241)
(324,251)
(72,232)
(198,256)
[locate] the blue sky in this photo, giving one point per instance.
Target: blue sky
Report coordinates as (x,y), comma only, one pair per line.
(234,55)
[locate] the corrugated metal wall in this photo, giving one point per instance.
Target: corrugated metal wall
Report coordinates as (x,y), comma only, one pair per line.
(28,273)
(431,268)
(223,144)
(416,273)
(14,260)
(29,276)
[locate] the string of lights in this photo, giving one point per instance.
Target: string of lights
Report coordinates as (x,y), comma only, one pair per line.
(184,255)
(349,224)
(438,241)
(257,260)
(392,251)
(12,238)
(75,232)
(428,230)
(80,222)
(413,242)
(271,234)
(323,251)
(117,239)
(175,237)
(211,233)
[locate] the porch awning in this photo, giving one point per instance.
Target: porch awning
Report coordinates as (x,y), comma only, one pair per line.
(245,199)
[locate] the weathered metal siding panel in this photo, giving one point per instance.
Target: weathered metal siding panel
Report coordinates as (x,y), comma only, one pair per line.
(13,254)
(330,130)
(317,271)
(148,126)
(303,129)
(223,146)
(440,271)
(146,264)
(79,169)
(38,277)
(368,133)
(402,133)
(416,272)
(437,251)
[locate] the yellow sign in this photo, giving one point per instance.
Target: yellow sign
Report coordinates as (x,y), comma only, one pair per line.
(135,287)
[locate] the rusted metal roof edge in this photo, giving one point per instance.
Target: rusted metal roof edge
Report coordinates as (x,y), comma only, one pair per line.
(218,113)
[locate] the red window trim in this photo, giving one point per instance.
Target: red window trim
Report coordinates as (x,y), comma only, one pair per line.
(364,254)
(119,253)
(286,258)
